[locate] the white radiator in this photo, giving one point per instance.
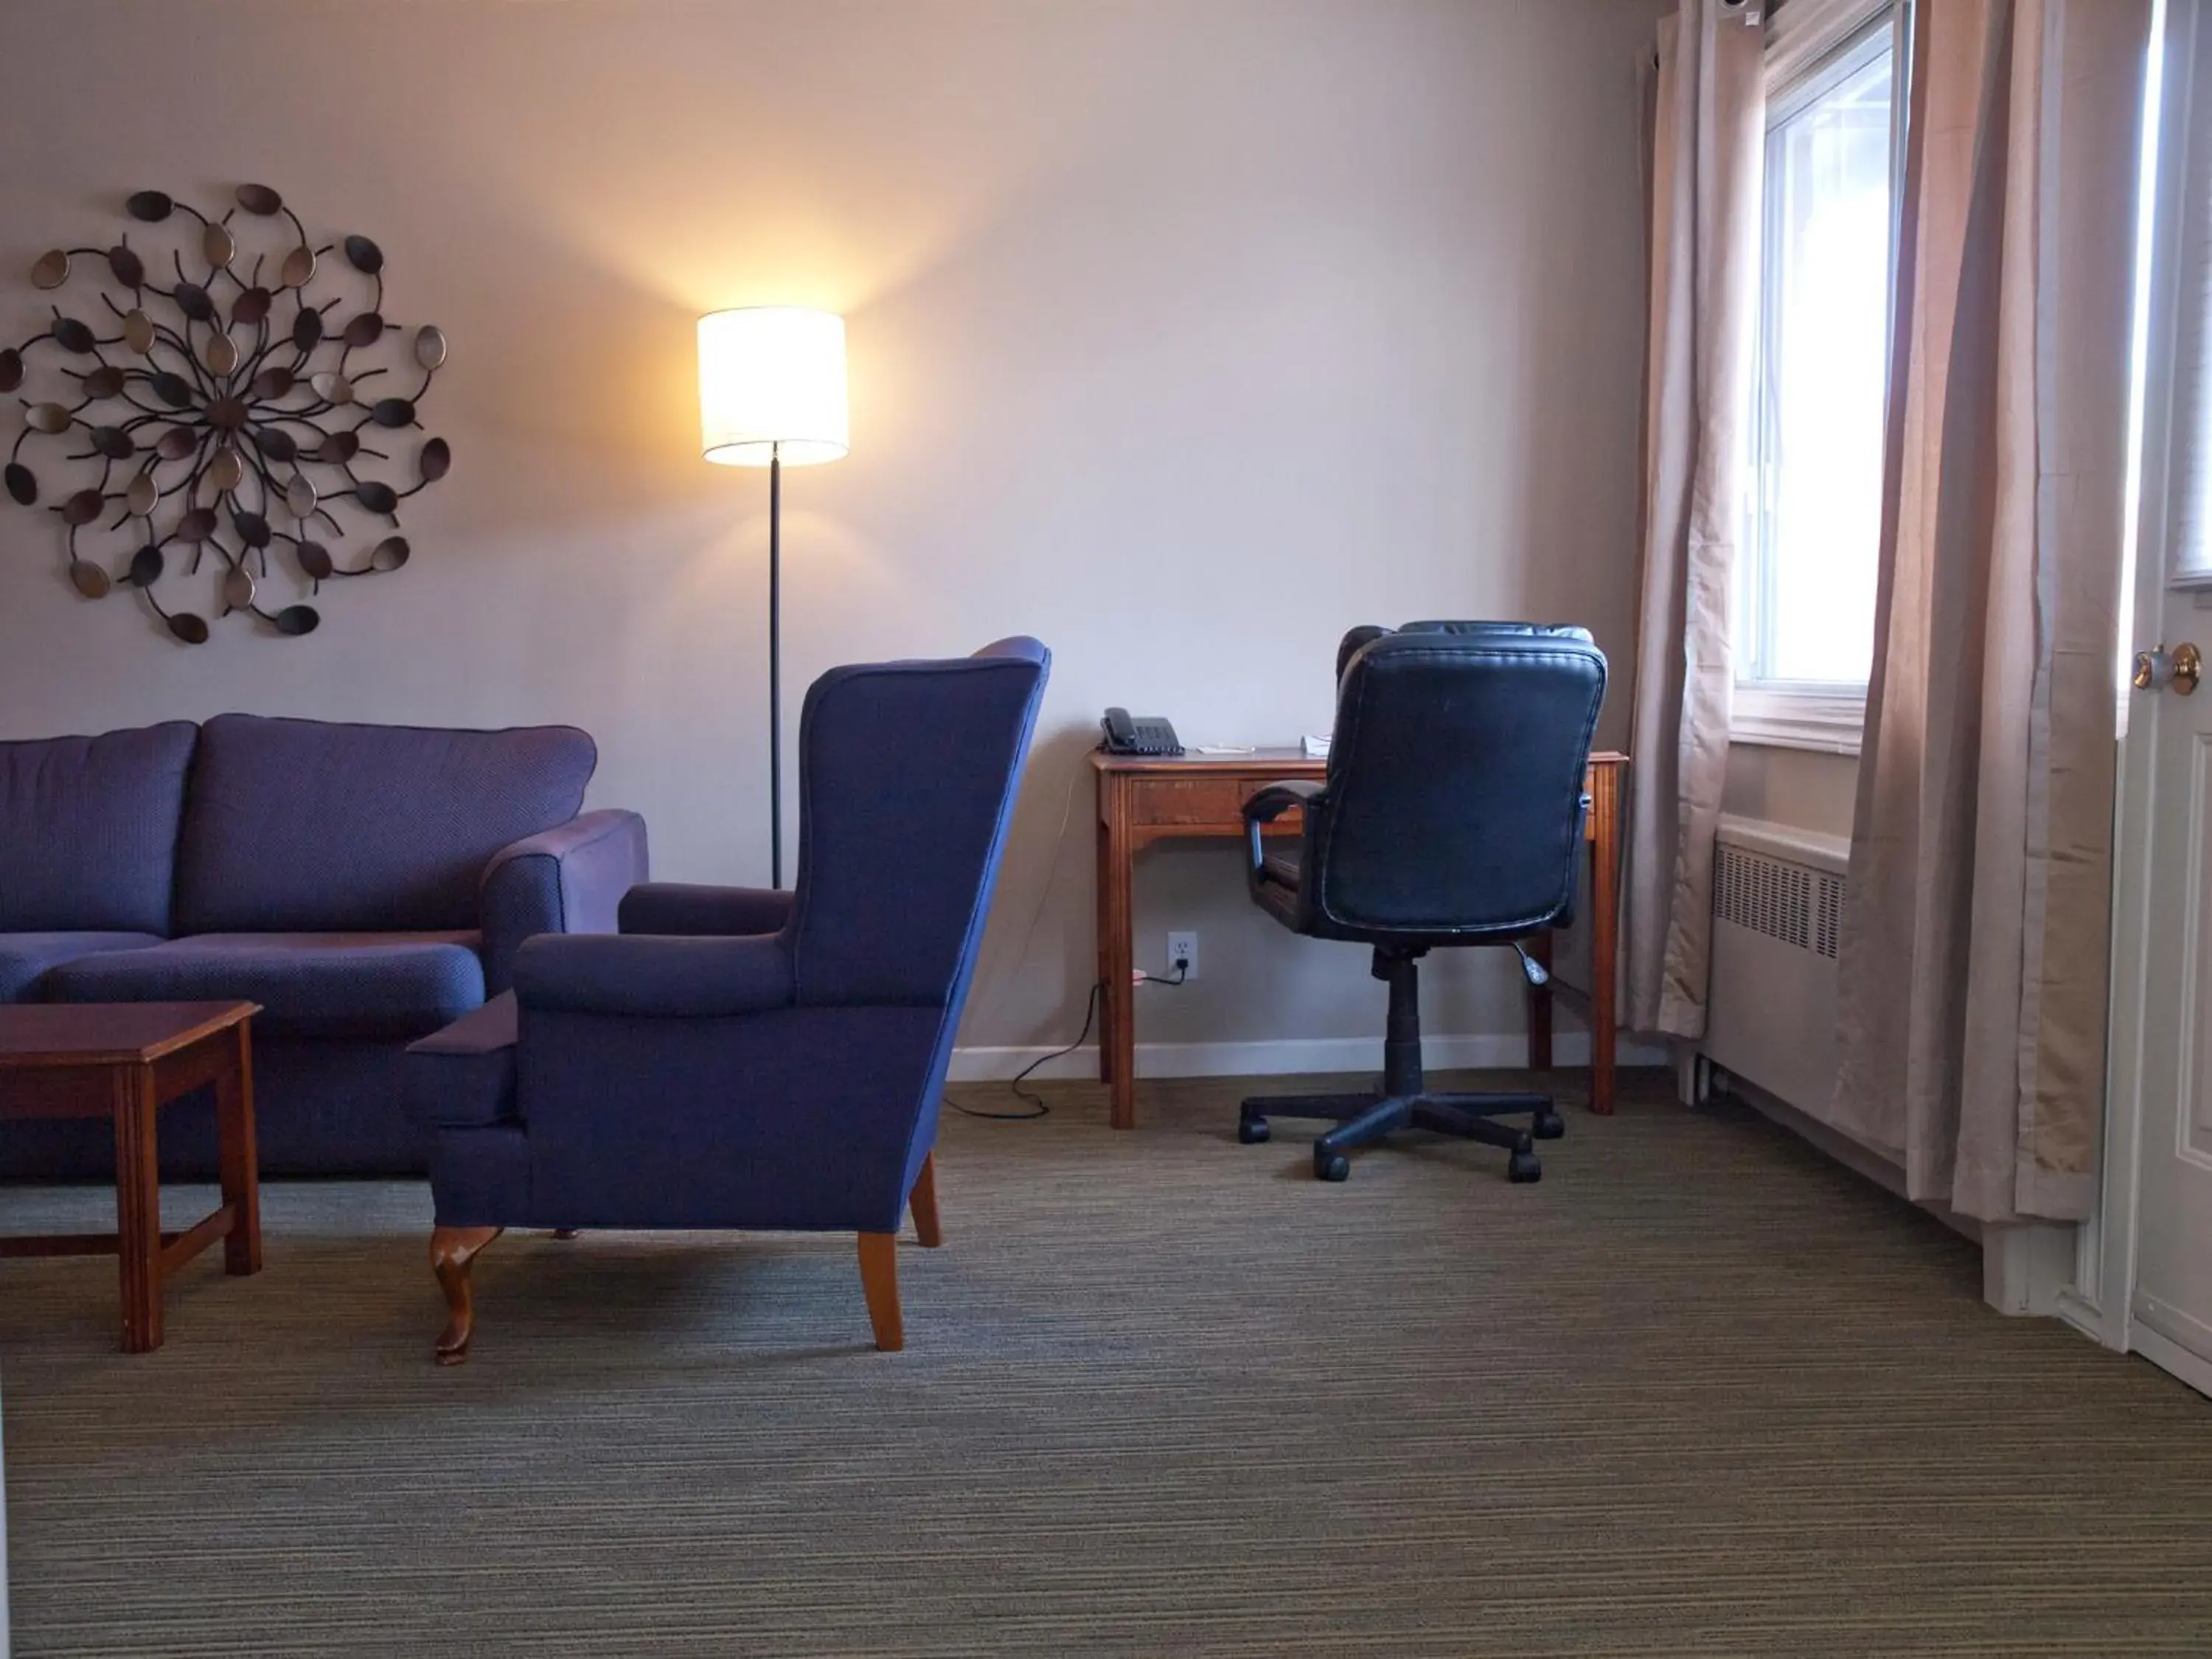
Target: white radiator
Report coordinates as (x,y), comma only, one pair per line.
(1778,904)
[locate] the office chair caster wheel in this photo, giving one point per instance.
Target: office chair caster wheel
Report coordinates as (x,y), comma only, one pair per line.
(1251,1131)
(1524,1167)
(1548,1125)
(1331,1166)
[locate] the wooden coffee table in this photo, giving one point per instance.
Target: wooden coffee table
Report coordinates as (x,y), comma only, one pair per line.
(125,1060)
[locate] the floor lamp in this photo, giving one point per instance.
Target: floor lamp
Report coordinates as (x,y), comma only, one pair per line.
(772,394)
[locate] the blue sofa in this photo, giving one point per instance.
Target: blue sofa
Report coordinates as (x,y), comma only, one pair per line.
(365,884)
(745,1058)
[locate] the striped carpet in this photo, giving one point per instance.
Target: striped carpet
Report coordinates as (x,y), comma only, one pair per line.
(1698,1393)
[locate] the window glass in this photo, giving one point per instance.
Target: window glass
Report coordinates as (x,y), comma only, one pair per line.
(1808,596)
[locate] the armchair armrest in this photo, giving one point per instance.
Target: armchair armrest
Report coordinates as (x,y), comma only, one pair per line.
(653,976)
(670,907)
(1265,806)
(564,880)
(463,1077)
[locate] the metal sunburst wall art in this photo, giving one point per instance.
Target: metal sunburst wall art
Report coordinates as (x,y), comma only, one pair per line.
(229,411)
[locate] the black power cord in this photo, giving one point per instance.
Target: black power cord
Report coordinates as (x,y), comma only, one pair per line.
(1037,1105)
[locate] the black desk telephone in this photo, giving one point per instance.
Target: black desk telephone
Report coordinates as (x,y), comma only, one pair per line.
(1139,737)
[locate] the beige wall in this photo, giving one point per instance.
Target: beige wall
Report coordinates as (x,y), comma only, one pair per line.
(1183,335)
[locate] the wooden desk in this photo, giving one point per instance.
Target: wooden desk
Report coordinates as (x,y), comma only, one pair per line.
(1143,798)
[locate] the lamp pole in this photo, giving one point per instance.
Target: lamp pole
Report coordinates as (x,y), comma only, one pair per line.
(775,663)
(771,376)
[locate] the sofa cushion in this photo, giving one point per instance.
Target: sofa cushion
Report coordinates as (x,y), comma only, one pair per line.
(88,829)
(308,984)
(25,958)
(301,826)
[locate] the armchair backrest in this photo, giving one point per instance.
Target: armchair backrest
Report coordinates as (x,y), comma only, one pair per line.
(1455,800)
(908,772)
(816,1115)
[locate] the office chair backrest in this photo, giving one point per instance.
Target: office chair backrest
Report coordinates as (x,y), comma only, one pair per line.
(1353,643)
(908,772)
(1454,801)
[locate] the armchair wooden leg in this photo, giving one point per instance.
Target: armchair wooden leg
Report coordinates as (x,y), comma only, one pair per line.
(453,1251)
(879,1284)
(922,1200)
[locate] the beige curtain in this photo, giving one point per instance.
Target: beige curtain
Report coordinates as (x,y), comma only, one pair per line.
(1708,144)
(1974,952)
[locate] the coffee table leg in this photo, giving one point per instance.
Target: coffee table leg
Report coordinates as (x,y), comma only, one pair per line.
(241,1180)
(138,1207)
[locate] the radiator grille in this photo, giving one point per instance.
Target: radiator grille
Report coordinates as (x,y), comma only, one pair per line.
(1784,901)
(1827,912)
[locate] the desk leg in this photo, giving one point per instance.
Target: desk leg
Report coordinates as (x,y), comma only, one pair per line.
(240,1168)
(137,1208)
(1117,1029)
(1605,925)
(1105,938)
(1540,1008)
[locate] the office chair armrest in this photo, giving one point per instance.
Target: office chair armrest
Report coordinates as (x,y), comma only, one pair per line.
(1265,806)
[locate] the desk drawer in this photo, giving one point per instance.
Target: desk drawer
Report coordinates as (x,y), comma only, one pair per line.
(1191,802)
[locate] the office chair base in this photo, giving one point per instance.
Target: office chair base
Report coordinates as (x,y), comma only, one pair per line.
(1364,1119)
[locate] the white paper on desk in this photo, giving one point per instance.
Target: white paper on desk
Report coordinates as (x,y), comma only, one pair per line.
(1316,748)
(1223,749)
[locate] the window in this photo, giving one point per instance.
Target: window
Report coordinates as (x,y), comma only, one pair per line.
(2189,457)
(1805,599)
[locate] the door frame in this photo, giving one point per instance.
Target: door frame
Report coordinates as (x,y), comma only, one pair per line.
(2104,1264)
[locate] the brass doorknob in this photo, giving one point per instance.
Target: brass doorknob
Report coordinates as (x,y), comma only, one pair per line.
(2180,668)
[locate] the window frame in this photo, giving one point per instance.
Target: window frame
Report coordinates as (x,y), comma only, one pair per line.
(1814,45)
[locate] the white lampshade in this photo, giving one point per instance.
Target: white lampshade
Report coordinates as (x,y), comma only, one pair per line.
(772,381)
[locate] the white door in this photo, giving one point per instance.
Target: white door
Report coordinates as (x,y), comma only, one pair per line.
(2171,1300)
(2157,1233)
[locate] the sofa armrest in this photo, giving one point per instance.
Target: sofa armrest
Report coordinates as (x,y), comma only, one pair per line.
(670,907)
(654,975)
(565,880)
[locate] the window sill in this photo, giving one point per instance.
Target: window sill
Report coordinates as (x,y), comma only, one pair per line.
(1826,719)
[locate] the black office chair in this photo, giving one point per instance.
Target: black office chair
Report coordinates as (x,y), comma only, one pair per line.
(1452,815)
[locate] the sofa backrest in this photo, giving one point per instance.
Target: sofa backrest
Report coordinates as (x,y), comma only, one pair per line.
(294,826)
(88,829)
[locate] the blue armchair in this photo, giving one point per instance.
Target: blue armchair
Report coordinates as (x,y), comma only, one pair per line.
(739,1059)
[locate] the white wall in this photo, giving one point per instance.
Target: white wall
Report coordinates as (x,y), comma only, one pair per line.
(1184,334)
(1801,787)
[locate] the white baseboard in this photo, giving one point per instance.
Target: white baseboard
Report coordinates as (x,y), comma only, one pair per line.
(1860,1160)
(2169,1355)
(1479,1052)
(2027,1265)
(2086,1317)
(2027,1268)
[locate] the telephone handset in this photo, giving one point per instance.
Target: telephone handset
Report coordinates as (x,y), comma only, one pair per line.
(1144,736)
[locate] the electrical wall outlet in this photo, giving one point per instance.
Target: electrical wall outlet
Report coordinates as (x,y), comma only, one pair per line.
(1182,954)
